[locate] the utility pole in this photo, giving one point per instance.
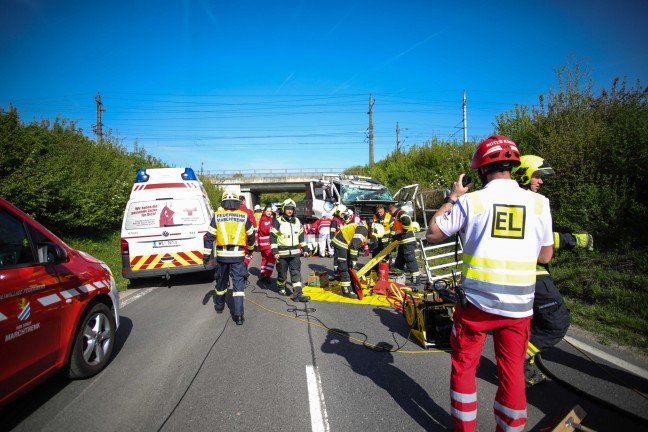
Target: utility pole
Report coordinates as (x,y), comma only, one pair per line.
(98,128)
(465,121)
(371,135)
(397,138)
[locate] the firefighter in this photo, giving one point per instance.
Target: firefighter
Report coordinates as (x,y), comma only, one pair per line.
(505,230)
(336,224)
(258,212)
(268,260)
(287,243)
(226,229)
(402,229)
(381,216)
(348,240)
(551,317)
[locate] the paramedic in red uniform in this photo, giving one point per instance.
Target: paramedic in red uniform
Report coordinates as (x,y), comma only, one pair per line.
(505,230)
(232,231)
(263,239)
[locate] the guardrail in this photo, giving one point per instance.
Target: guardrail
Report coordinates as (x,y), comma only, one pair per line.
(274,172)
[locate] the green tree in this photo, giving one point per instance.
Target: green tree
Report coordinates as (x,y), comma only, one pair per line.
(598,145)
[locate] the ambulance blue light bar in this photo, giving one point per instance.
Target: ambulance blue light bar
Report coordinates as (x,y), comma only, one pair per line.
(142,177)
(189,174)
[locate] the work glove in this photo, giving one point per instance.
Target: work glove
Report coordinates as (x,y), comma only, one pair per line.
(584,240)
(206,259)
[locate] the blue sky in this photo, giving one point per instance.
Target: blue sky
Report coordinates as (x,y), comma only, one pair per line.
(240,84)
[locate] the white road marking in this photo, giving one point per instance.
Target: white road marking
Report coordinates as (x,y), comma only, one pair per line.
(609,358)
(319,419)
(131,298)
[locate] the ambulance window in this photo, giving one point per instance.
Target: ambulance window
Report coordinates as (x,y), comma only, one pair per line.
(14,242)
(164,213)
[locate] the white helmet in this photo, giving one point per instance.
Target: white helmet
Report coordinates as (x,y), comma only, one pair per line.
(377,230)
(348,215)
(340,210)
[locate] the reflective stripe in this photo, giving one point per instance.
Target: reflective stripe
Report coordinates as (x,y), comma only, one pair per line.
(70,293)
(490,263)
(505,278)
(463,397)
(493,288)
(238,294)
(340,243)
(510,412)
(488,302)
(463,415)
(221,292)
(49,300)
(211,230)
(502,423)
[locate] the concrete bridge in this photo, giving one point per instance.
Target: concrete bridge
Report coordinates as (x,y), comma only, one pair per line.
(252,183)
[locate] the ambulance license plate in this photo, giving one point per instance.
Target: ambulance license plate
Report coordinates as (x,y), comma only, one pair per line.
(165,243)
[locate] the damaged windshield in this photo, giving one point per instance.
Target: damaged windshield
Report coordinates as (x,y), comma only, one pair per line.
(352,193)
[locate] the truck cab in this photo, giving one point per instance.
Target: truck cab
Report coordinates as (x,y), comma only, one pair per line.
(359,193)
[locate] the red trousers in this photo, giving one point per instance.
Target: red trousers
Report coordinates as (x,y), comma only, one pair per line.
(510,336)
(267,263)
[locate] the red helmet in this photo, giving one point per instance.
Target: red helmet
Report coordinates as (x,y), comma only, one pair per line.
(496,148)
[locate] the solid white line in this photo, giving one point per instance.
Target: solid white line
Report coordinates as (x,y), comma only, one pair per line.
(130,299)
(319,420)
(609,358)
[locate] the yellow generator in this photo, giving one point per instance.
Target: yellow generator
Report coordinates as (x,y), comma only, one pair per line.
(429,317)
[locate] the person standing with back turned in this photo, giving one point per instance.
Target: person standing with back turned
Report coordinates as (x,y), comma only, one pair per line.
(505,230)
(233,233)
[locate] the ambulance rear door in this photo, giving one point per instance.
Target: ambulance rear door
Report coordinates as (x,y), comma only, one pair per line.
(164,236)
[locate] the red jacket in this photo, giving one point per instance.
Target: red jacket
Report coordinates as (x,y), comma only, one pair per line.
(263,234)
(250,214)
(323,222)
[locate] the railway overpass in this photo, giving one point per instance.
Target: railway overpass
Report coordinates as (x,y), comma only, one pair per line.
(253,183)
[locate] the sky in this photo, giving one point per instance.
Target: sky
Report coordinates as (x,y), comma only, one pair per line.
(240,85)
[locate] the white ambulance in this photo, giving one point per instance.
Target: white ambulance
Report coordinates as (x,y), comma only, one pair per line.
(164,226)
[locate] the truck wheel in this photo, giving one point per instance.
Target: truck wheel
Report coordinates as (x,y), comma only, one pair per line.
(93,342)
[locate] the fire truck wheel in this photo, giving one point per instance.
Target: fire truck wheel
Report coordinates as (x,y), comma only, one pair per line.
(93,342)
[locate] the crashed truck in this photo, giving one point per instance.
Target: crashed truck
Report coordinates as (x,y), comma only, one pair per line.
(358,193)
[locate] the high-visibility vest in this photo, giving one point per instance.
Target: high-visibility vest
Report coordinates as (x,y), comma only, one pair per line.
(504,232)
(286,236)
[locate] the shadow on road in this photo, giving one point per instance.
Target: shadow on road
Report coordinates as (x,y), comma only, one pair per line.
(409,395)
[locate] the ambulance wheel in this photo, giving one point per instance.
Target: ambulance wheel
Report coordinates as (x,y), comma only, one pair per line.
(409,310)
(93,342)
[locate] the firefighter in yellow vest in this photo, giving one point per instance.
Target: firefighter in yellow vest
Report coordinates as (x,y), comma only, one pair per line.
(258,212)
(402,229)
(232,231)
(288,245)
(348,240)
(551,317)
(381,216)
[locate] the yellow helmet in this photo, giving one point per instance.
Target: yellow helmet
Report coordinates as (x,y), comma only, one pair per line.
(288,204)
(530,165)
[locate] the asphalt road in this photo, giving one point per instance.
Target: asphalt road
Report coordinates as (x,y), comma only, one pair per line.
(177,365)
